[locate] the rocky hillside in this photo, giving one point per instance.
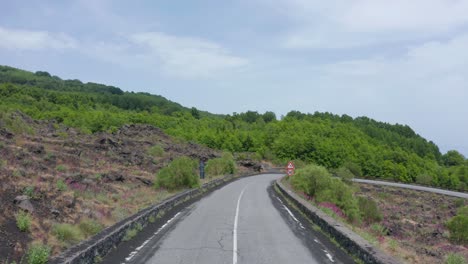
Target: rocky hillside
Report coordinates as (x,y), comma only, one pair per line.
(61,176)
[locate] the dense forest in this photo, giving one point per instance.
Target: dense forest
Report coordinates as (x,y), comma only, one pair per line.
(361,146)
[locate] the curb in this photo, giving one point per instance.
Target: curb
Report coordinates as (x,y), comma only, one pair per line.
(101,244)
(349,240)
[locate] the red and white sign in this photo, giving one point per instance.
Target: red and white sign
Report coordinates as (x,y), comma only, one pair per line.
(290,168)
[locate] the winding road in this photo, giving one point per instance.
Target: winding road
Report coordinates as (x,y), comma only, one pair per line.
(242,222)
(414,187)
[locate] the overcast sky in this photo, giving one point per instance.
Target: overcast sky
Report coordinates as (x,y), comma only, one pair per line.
(395,61)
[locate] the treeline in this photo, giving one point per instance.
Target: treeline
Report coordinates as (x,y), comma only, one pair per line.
(361,145)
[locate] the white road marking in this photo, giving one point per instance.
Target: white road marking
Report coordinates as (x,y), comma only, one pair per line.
(330,257)
(149,239)
(291,214)
(234,232)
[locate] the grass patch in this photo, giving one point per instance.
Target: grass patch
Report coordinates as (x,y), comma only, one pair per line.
(454,258)
(23,221)
(61,168)
(38,254)
(155,151)
(61,185)
(69,234)
(131,233)
(90,227)
(458,226)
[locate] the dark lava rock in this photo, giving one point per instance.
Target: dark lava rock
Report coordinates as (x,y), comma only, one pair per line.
(36,149)
(113,176)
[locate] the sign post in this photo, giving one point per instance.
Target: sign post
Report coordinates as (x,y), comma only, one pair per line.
(290,168)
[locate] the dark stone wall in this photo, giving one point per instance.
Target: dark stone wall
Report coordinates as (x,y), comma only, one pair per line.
(349,240)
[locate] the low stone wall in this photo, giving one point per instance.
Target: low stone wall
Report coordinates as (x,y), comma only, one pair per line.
(349,240)
(100,244)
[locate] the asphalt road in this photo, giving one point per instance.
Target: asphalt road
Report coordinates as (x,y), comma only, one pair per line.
(415,187)
(243,222)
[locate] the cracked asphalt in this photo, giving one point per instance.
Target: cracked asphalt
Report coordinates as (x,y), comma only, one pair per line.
(267,231)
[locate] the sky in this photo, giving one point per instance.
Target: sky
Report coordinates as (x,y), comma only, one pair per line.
(395,61)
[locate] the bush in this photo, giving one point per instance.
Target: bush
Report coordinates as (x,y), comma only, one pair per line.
(38,254)
(67,233)
(131,233)
(424,179)
(155,151)
(369,210)
(345,175)
(29,191)
(23,221)
(221,166)
(61,185)
(458,226)
(454,258)
(310,179)
(61,168)
(317,182)
(90,227)
(180,173)
(354,168)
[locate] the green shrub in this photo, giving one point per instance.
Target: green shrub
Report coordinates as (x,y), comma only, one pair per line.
(221,166)
(458,226)
(354,168)
(90,227)
(38,254)
(67,233)
(23,221)
(454,258)
(345,175)
(61,185)
(180,173)
(155,151)
(310,179)
(61,168)
(131,233)
(424,179)
(317,182)
(369,210)
(29,191)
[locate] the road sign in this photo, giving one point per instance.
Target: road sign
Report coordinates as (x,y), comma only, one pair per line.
(290,168)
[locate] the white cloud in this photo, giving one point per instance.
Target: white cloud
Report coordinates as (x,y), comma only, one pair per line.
(17,39)
(187,57)
(353,23)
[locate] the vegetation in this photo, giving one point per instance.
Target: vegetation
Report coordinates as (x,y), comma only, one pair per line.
(221,166)
(180,173)
(131,233)
(90,227)
(155,151)
(364,146)
(38,254)
(458,226)
(317,183)
(454,258)
(23,221)
(369,211)
(69,234)
(61,185)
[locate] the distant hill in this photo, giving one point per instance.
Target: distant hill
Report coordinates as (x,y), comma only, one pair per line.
(100,93)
